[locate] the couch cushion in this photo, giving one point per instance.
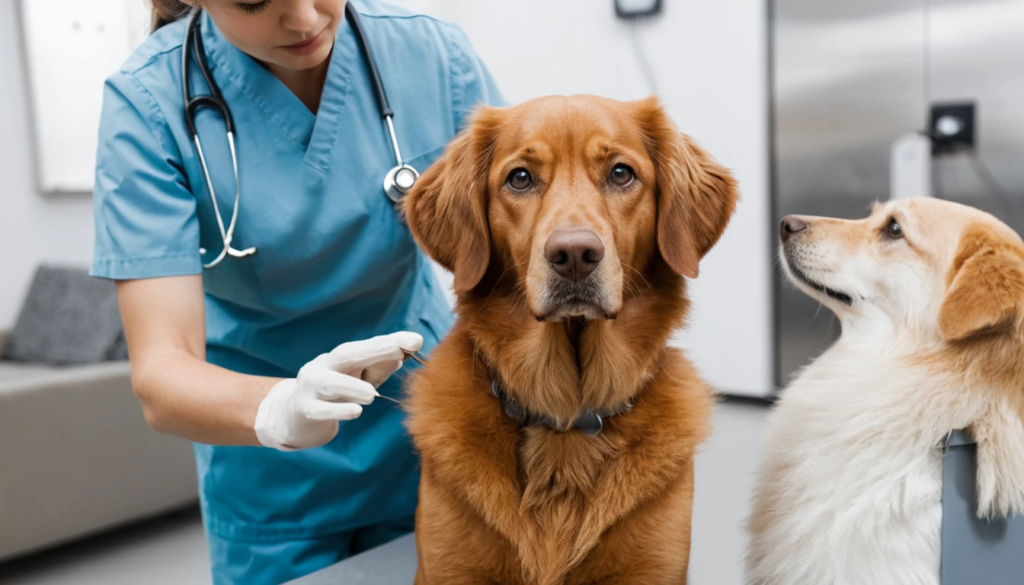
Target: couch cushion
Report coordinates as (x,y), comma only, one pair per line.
(68,318)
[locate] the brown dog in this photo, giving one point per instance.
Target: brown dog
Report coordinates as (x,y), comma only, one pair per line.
(568,224)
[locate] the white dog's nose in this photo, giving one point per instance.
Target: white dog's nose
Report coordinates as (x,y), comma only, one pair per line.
(790,226)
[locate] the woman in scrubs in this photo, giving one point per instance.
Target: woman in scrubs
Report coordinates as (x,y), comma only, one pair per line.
(257,360)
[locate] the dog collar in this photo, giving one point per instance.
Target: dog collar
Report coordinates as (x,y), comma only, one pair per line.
(590,423)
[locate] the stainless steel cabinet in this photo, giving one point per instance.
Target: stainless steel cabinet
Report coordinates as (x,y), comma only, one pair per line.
(848,79)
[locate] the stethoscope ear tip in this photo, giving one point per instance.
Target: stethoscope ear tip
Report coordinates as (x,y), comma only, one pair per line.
(242,253)
(228,252)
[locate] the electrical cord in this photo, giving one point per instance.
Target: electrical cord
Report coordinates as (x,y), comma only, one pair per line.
(993,187)
(988,179)
(936,182)
(646,68)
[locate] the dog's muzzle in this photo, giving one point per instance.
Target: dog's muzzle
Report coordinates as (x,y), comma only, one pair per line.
(574,287)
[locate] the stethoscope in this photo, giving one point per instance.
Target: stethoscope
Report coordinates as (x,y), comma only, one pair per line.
(397,182)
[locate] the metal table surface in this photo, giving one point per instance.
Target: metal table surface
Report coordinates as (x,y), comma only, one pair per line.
(391,564)
(975,551)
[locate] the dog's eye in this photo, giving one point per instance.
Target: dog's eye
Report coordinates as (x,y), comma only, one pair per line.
(519,179)
(621,175)
(893,231)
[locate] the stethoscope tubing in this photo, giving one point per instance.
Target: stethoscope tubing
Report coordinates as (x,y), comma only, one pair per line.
(397,182)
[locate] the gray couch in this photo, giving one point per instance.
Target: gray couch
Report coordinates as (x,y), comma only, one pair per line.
(77,457)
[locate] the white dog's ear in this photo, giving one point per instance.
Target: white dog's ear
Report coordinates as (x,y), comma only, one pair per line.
(985,293)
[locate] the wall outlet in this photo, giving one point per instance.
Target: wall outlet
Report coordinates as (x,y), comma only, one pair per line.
(952,127)
(629,9)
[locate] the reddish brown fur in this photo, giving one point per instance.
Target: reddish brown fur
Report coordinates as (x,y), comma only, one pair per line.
(503,504)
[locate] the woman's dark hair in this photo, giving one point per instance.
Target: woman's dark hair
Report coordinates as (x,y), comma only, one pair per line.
(167,11)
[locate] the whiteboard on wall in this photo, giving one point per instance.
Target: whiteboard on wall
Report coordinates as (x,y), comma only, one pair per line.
(71,47)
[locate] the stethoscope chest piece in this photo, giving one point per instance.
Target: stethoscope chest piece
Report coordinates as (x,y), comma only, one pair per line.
(399,181)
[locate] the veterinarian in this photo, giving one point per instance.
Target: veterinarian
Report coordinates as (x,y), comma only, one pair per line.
(309,290)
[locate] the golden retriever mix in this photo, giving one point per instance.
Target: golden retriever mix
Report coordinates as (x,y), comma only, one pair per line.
(931,299)
(569,224)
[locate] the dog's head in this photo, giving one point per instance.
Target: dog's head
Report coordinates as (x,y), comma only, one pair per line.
(939,269)
(569,197)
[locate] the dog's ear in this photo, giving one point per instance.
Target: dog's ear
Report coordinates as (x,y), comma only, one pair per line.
(447,208)
(696,196)
(985,291)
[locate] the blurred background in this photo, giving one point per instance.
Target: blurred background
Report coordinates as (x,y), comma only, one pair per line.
(817,106)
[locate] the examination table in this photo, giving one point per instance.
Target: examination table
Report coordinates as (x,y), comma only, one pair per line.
(973,551)
(394,562)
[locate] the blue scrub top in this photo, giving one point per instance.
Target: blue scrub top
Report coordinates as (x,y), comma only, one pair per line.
(334,261)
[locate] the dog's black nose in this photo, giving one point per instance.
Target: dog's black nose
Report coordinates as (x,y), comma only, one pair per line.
(790,226)
(574,254)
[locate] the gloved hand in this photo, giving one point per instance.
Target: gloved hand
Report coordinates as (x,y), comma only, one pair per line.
(303,412)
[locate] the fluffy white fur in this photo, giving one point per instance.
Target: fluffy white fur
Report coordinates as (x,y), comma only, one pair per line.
(850,486)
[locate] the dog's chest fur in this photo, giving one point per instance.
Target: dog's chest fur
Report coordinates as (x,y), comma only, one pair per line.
(850,487)
(547,500)
(560,467)
(560,474)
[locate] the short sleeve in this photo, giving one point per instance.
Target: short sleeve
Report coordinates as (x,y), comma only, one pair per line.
(472,83)
(144,213)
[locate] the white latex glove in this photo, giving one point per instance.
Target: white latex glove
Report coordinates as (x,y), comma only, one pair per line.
(303,412)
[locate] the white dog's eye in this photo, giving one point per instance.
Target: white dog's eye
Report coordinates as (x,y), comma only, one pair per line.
(893,231)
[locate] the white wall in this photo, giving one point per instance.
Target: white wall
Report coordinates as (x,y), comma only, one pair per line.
(33,227)
(710,63)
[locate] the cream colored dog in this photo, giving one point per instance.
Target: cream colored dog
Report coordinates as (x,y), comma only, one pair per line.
(931,299)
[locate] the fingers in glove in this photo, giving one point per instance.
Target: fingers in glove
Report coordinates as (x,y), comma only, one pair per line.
(409,341)
(320,410)
(356,356)
(334,386)
(378,373)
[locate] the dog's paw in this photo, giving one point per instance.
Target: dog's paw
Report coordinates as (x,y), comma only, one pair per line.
(1000,438)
